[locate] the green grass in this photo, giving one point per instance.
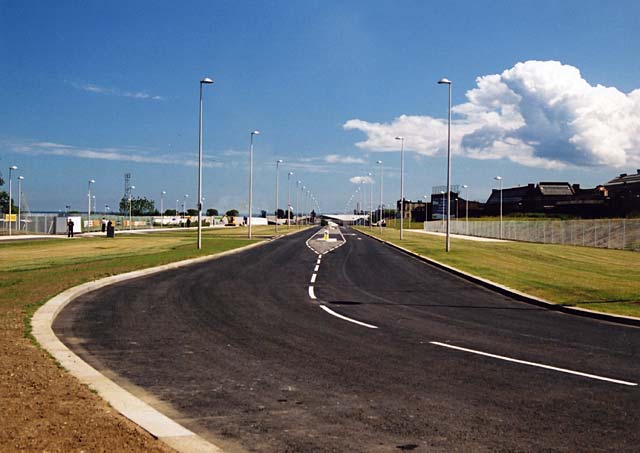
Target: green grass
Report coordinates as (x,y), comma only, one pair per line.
(32,272)
(596,279)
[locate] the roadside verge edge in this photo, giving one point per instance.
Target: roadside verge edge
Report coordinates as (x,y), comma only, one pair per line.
(513,293)
(139,412)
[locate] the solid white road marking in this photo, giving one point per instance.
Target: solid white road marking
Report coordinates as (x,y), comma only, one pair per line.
(338,315)
(315,269)
(539,365)
(312,294)
(313,278)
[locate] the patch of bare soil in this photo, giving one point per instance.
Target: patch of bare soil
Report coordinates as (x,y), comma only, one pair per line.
(43,408)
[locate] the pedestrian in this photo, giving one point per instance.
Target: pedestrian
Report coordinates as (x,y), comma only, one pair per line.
(70,228)
(104,224)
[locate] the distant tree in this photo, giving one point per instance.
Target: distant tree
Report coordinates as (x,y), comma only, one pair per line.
(212,212)
(281,214)
(170,212)
(4,200)
(313,216)
(232,213)
(139,206)
(263,214)
(192,212)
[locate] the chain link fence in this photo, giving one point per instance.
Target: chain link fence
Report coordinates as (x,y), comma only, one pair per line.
(623,234)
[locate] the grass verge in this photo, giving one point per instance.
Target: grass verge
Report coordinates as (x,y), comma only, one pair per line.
(596,279)
(43,408)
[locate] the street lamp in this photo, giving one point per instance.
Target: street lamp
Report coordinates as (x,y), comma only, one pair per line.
(20,178)
(91,181)
(499,178)
(251,178)
(370,202)
(297,212)
(12,168)
(466,197)
(401,186)
(381,183)
(162,194)
(177,202)
(448,82)
(204,81)
(184,205)
(442,204)
(289,175)
(130,202)
(278,162)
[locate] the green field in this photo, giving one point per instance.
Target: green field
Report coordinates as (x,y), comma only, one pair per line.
(596,279)
(31,272)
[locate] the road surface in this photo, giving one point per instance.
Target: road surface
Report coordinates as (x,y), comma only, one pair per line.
(362,348)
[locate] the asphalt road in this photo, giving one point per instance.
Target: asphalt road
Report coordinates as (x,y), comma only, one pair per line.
(237,350)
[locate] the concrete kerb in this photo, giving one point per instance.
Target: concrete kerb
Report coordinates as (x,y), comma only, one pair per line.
(136,410)
(513,293)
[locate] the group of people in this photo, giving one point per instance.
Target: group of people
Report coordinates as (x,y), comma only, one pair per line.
(106,226)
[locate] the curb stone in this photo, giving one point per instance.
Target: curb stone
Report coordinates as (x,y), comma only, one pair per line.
(513,293)
(151,420)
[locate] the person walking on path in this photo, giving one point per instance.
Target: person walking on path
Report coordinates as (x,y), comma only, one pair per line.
(70,228)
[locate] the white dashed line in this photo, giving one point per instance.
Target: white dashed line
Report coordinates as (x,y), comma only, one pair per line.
(338,315)
(313,278)
(312,294)
(539,365)
(315,269)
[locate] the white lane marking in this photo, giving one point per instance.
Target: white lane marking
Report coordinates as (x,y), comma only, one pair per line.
(338,315)
(539,365)
(315,269)
(312,294)
(313,278)
(319,257)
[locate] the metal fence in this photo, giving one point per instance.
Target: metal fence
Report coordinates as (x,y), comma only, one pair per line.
(621,234)
(32,224)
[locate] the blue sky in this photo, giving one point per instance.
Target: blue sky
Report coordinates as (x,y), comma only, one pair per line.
(91,90)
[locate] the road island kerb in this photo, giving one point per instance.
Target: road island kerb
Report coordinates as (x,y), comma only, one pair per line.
(151,420)
(513,293)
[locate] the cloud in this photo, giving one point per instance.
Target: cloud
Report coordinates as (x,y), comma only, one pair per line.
(361,180)
(114,154)
(538,114)
(336,159)
(93,88)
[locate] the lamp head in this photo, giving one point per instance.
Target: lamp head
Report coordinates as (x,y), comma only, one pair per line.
(279,161)
(206,80)
(444,81)
(164,192)
(464,186)
(133,187)
(498,178)
(399,137)
(13,167)
(91,181)
(290,173)
(20,178)
(379,162)
(255,133)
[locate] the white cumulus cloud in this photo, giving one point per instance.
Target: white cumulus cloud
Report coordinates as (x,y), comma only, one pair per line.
(361,180)
(337,159)
(538,113)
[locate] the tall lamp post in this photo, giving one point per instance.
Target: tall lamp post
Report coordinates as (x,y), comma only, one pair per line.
(466,198)
(130,203)
(184,204)
(11,168)
(20,179)
(381,184)
(499,178)
(448,82)
(370,201)
(162,194)
(177,215)
(401,186)
(251,180)
(278,162)
(298,184)
(91,181)
(289,175)
(204,81)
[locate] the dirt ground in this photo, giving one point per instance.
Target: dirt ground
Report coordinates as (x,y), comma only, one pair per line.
(43,408)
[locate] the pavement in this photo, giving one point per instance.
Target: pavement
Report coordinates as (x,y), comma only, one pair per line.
(389,354)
